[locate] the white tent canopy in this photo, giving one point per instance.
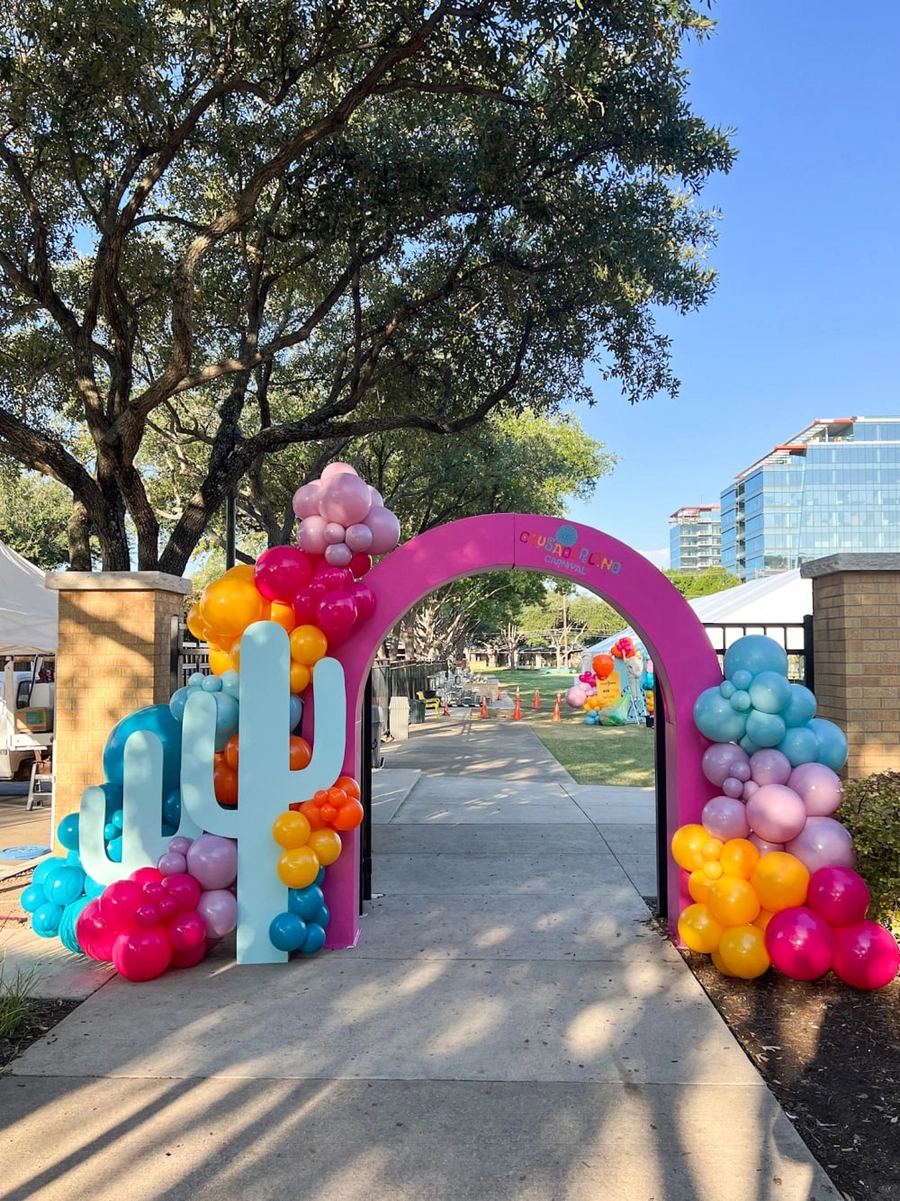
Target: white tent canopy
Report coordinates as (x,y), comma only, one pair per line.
(775,600)
(28,610)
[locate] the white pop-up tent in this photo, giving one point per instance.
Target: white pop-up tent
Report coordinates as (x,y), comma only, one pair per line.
(28,610)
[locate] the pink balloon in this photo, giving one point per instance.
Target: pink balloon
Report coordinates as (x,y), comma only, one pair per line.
(212,861)
(764,846)
(360,564)
(776,813)
(375,496)
(576,696)
(179,845)
(358,537)
(311,535)
(823,841)
(819,787)
(187,930)
(118,903)
(142,954)
(306,500)
(147,914)
(733,787)
(306,602)
(839,894)
(184,889)
(189,957)
(800,943)
(344,498)
(723,817)
(93,934)
(146,875)
(337,468)
(338,555)
(280,572)
(334,533)
(769,766)
(365,600)
(336,615)
(385,530)
(218,908)
(331,577)
(171,863)
(748,789)
(720,759)
(866,956)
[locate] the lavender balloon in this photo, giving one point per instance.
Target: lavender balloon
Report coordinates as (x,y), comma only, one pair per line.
(764,846)
(334,532)
(748,789)
(820,788)
(180,845)
(358,538)
(723,817)
(823,841)
(385,530)
(218,908)
(776,813)
(172,863)
(733,787)
(338,554)
(719,761)
(212,861)
(769,766)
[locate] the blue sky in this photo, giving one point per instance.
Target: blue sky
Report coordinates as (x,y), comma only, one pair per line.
(805,320)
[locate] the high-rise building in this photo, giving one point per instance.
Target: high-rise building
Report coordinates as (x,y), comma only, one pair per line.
(833,487)
(695,538)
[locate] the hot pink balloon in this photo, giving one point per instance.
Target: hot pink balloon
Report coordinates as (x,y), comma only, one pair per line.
(819,787)
(189,957)
(723,817)
(733,787)
(360,564)
(823,841)
(839,894)
(764,846)
(212,861)
(337,468)
(280,572)
(344,498)
(142,954)
(311,535)
(866,956)
(306,500)
(187,930)
(358,537)
(769,766)
(336,615)
(331,577)
(776,813)
(94,935)
(146,875)
(118,903)
(365,599)
(385,530)
(218,908)
(185,889)
(719,760)
(338,555)
(800,943)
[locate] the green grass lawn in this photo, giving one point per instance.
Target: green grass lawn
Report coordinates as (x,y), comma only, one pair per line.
(596,754)
(547,683)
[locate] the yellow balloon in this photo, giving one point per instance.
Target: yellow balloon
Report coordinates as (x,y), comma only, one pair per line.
(712,869)
(219,661)
(283,615)
(240,571)
(711,850)
(733,901)
(308,644)
(228,605)
(743,951)
(780,880)
(326,844)
(300,677)
(719,964)
(686,842)
(698,887)
(298,867)
(291,829)
(739,857)
(763,919)
(699,930)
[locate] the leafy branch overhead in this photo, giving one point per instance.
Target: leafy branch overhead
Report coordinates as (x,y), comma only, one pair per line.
(242,227)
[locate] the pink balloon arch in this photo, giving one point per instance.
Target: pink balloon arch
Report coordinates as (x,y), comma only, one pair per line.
(684,661)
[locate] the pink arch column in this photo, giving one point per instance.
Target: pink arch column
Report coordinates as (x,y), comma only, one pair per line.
(684,662)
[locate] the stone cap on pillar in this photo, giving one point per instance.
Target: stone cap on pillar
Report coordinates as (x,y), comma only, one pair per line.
(117,581)
(833,564)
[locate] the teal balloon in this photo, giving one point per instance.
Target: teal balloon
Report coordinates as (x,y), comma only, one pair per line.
(755,653)
(195,679)
(45,920)
(158,720)
(716,719)
(296,710)
(114,849)
(171,809)
(67,923)
(45,868)
(315,939)
(320,877)
(73,858)
(740,701)
(32,898)
(742,679)
(231,684)
(323,917)
(727,689)
(177,702)
(67,832)
(110,831)
(799,745)
(802,707)
(770,692)
(211,684)
(287,932)
(227,711)
(66,886)
(765,729)
(832,743)
(92,888)
(306,902)
(747,744)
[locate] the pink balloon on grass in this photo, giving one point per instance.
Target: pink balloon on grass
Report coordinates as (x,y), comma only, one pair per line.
(769,766)
(311,535)
(723,817)
(576,696)
(719,761)
(839,894)
(866,956)
(344,498)
(385,530)
(821,842)
(819,787)
(776,813)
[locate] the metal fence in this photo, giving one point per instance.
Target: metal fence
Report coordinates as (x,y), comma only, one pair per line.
(795,636)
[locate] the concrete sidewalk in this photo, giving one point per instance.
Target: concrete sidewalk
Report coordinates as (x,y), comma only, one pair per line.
(510,1026)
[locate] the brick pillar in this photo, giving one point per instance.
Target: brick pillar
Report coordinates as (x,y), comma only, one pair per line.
(856,632)
(114,656)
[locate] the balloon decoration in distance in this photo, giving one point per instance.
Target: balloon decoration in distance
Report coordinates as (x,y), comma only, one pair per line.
(170,911)
(769,868)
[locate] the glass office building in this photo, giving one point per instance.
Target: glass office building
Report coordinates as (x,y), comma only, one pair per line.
(833,487)
(695,540)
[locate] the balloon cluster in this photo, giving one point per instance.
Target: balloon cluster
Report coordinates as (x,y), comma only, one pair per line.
(624,648)
(770,869)
(342,516)
(586,688)
(60,889)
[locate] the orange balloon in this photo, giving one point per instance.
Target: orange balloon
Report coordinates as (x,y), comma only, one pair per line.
(219,661)
(686,843)
(780,880)
(283,615)
(235,654)
(349,816)
(326,844)
(240,571)
(742,950)
(739,857)
(733,901)
(228,605)
(349,785)
(603,666)
(197,625)
(310,811)
(765,916)
(298,866)
(698,886)
(291,830)
(719,963)
(225,781)
(300,677)
(300,752)
(308,644)
(699,930)
(231,752)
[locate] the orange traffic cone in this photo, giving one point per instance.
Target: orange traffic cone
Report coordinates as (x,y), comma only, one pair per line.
(517,711)
(499,693)
(537,700)
(446,708)
(484,711)
(557,716)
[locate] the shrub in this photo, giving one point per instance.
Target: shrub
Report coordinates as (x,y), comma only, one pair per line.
(871,812)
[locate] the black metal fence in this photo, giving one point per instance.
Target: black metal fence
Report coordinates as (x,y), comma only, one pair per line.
(795,636)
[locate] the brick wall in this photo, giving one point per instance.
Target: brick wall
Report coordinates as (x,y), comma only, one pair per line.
(113,658)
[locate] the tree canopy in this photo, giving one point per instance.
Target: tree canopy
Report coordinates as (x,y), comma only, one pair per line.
(236,228)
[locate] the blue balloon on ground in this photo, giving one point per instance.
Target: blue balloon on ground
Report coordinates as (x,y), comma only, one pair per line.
(46,918)
(716,719)
(765,729)
(770,692)
(306,902)
(832,743)
(315,939)
(287,932)
(755,653)
(67,832)
(158,720)
(802,707)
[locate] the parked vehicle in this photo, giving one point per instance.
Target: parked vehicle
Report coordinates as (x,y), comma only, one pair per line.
(27,699)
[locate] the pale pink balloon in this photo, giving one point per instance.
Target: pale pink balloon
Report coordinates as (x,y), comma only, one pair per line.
(385,530)
(311,535)
(337,468)
(769,766)
(212,861)
(344,498)
(172,863)
(748,790)
(306,500)
(719,761)
(776,813)
(576,696)
(820,788)
(823,841)
(218,908)
(724,817)
(764,847)
(338,555)
(733,787)
(179,844)
(334,533)
(375,496)
(358,537)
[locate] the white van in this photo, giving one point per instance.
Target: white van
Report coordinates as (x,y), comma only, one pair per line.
(26,717)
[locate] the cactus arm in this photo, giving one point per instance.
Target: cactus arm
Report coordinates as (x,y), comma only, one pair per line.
(199,808)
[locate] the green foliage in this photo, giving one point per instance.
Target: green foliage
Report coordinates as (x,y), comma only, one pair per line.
(34,512)
(16,989)
(227,230)
(692,584)
(871,812)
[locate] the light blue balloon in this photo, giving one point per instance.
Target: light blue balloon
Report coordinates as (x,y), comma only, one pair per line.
(765,729)
(227,713)
(195,679)
(832,743)
(231,683)
(740,701)
(45,868)
(211,684)
(177,702)
(32,898)
(801,708)
(55,871)
(770,692)
(799,745)
(747,744)
(66,886)
(742,679)
(67,832)
(45,920)
(287,932)
(727,689)
(296,710)
(716,719)
(755,653)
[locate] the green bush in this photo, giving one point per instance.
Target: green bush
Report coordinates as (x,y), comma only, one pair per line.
(871,812)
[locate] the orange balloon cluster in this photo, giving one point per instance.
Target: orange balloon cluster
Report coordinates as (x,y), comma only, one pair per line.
(736,892)
(336,808)
(225,766)
(304,850)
